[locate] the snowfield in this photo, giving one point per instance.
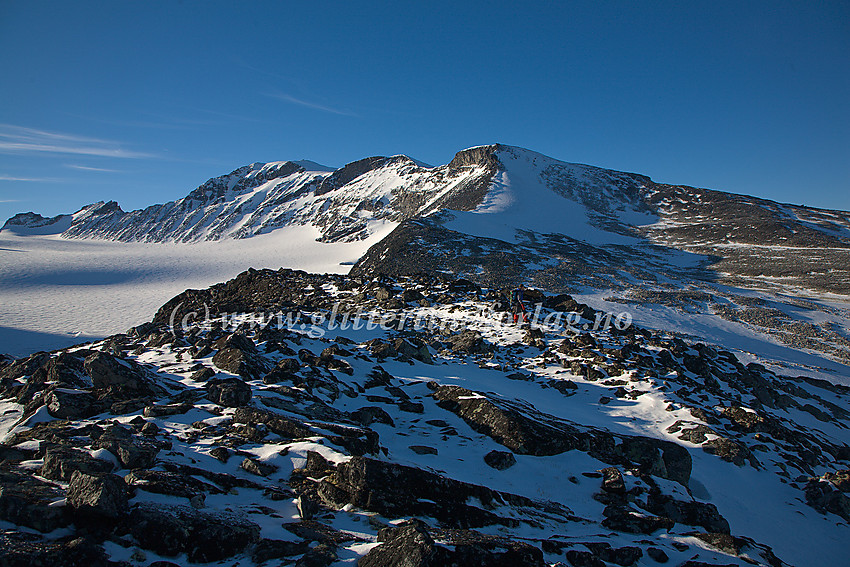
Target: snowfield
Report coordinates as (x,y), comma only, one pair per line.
(56,292)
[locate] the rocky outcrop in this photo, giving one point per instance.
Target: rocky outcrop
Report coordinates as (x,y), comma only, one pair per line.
(392,489)
(543,435)
(202,536)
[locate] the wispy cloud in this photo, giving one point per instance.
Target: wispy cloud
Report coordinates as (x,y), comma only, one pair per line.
(19,139)
(306,103)
(87,168)
(10,200)
(36,179)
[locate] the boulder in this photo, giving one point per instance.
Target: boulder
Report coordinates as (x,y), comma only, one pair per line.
(203,374)
(106,370)
(236,340)
(204,536)
(268,549)
(413,348)
(368,415)
(228,392)
(276,423)
(622,519)
(100,495)
(245,364)
(824,497)
(132,452)
(323,555)
(500,460)
(20,549)
(692,513)
(468,341)
(507,427)
(63,403)
(61,462)
(28,501)
(258,468)
(170,483)
(409,545)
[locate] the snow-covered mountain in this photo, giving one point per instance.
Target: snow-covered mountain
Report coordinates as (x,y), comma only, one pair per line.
(500,215)
(259,198)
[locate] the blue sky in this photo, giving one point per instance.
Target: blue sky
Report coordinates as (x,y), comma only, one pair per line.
(143,101)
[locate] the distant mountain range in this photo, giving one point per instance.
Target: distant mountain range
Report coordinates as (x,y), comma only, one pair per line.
(512,206)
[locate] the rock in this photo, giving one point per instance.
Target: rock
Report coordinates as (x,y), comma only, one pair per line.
(268,549)
(409,545)
(724,542)
(63,403)
(657,457)
(132,453)
(824,497)
(730,451)
(166,410)
(579,558)
(307,507)
(467,342)
(316,463)
(840,479)
(19,549)
(220,453)
(61,462)
(692,513)
(504,425)
(657,555)
(276,423)
(500,460)
(612,481)
(237,341)
(395,490)
(105,370)
(625,556)
(204,536)
(378,377)
(322,555)
(542,435)
(15,369)
(382,293)
(566,387)
(624,520)
(258,468)
(203,374)
(423,450)
(27,501)
(228,392)
(169,483)
(100,495)
(307,357)
(368,415)
(413,348)
(150,429)
(464,286)
(241,363)
(381,349)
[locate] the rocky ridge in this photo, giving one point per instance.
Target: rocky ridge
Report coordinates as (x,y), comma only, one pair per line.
(254,422)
